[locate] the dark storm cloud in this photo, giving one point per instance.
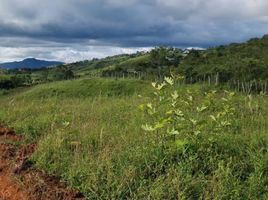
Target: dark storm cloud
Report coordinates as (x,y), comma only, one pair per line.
(74,24)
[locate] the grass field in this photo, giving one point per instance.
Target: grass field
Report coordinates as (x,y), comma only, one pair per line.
(89,133)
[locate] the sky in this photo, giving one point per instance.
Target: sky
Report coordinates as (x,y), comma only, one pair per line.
(72,30)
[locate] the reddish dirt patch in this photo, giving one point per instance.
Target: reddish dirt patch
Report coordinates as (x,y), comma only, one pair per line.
(6,131)
(9,188)
(10,191)
(9,135)
(18,181)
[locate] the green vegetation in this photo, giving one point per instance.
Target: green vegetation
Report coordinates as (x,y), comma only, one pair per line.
(115,138)
(235,63)
(86,88)
(85,68)
(89,132)
(156,63)
(244,62)
(12,81)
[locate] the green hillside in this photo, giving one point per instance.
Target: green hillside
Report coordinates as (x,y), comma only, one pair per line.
(84,67)
(246,61)
(83,88)
(89,133)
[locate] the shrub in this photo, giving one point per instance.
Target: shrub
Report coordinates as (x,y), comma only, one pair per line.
(178,118)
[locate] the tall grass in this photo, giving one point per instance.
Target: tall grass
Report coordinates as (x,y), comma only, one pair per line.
(89,133)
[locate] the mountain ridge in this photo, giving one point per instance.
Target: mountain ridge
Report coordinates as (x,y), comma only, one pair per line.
(31,63)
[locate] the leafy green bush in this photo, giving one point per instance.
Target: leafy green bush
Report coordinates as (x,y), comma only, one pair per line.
(182,117)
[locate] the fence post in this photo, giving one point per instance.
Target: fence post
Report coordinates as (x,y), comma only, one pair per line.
(256,85)
(217,79)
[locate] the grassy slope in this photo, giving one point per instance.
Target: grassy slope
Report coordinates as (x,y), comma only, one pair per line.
(120,62)
(93,140)
(134,62)
(84,68)
(4,76)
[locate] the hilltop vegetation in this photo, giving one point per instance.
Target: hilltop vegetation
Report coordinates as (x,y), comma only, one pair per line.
(85,67)
(246,61)
(235,62)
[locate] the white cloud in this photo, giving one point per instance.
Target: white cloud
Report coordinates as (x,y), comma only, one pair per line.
(68,27)
(65,54)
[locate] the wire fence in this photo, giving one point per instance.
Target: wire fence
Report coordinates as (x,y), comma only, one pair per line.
(248,87)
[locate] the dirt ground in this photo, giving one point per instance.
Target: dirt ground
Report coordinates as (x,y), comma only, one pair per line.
(19,181)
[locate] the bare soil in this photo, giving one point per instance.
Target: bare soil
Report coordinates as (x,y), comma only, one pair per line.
(19,180)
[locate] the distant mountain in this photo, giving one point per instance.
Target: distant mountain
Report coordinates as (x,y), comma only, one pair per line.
(31,63)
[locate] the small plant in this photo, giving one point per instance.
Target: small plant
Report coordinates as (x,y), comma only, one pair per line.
(177,118)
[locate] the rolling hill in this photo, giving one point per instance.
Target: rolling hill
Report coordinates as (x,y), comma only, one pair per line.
(233,63)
